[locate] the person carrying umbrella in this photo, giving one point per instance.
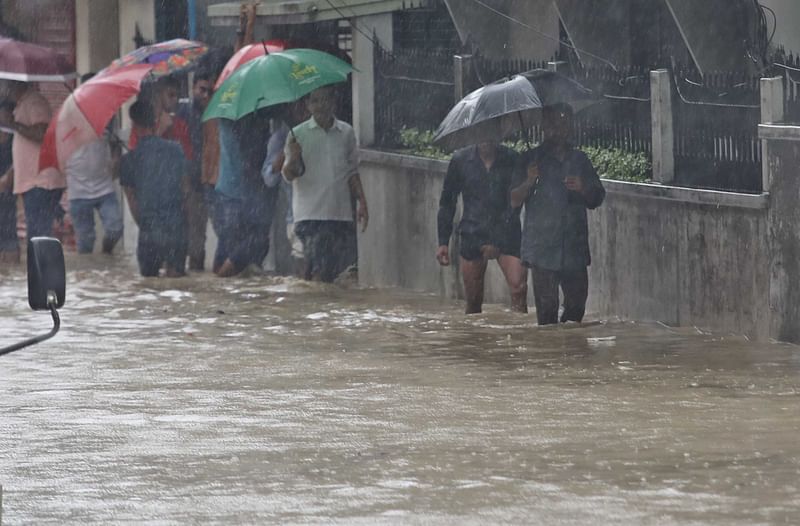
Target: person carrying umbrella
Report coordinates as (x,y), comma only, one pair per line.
(481,173)
(557,184)
(322,166)
(41,189)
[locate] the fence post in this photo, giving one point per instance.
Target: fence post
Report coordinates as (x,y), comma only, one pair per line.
(662,126)
(380,26)
(772,111)
(557,66)
(462,75)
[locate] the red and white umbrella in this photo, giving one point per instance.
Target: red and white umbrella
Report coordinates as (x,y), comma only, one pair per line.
(248,53)
(85,114)
(28,62)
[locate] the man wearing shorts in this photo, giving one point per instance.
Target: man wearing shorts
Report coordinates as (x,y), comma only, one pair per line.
(322,166)
(489,227)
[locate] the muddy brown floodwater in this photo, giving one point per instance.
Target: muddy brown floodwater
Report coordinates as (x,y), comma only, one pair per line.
(268,400)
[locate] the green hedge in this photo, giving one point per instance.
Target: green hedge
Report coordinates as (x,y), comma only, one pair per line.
(610,163)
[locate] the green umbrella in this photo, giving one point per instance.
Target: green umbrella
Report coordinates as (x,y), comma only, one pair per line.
(276,78)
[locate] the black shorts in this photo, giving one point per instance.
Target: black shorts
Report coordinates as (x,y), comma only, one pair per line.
(470,245)
(329,247)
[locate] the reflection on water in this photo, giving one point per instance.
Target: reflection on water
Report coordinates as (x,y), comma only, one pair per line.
(272,400)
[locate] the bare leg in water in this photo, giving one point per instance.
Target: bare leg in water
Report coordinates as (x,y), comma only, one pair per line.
(473,272)
(517,278)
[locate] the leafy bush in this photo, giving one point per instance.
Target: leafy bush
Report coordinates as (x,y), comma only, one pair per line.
(420,143)
(610,163)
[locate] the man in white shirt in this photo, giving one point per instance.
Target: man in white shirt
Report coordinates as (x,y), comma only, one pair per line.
(322,166)
(91,187)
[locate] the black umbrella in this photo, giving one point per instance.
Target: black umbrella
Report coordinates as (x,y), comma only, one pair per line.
(490,113)
(555,88)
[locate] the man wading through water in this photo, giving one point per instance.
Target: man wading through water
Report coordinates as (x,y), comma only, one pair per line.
(557,184)
(489,228)
(322,167)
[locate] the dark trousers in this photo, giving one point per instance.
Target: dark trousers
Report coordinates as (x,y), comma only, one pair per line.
(329,247)
(245,226)
(157,248)
(574,285)
(197,220)
(42,208)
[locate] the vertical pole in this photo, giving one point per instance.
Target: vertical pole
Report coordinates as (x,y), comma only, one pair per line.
(462,74)
(191,8)
(364,96)
(772,111)
(662,126)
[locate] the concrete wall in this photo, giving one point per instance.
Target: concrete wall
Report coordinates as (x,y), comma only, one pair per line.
(679,256)
(784,228)
(659,256)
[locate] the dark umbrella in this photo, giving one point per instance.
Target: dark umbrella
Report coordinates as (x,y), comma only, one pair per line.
(27,62)
(490,113)
(555,88)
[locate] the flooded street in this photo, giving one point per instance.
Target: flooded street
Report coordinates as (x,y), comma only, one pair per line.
(268,400)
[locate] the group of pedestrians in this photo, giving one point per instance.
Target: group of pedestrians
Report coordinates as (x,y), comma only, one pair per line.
(556,183)
(177,172)
(180,171)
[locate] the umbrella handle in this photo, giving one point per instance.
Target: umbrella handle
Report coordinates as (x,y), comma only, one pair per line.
(524,130)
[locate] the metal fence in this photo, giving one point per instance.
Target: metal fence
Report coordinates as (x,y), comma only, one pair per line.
(413,89)
(715,120)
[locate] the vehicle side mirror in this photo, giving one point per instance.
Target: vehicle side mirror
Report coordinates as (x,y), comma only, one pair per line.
(46,274)
(47,280)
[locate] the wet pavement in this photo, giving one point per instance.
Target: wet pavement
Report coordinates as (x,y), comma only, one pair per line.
(268,400)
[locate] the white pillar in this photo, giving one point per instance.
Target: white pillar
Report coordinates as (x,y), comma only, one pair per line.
(95,49)
(772,112)
(364,98)
(661,119)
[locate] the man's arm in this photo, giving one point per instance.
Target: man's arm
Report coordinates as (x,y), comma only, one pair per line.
(587,185)
(273,162)
(357,190)
(7,181)
(34,132)
(448,201)
(293,165)
(247,22)
(521,193)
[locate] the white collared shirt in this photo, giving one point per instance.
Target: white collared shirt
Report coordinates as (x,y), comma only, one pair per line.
(331,159)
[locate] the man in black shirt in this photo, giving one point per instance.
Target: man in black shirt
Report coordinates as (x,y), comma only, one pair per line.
(557,184)
(489,227)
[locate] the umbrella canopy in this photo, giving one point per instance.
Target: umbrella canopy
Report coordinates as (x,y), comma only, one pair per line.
(87,111)
(273,79)
(246,54)
(555,88)
(27,62)
(490,113)
(166,57)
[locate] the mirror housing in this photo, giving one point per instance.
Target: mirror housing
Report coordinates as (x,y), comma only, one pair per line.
(46,273)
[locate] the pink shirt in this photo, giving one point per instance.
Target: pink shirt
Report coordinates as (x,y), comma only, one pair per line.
(32,109)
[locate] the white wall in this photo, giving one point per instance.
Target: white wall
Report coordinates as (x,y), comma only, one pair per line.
(132,12)
(96,48)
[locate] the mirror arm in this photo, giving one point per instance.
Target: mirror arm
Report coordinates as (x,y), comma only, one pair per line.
(51,301)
